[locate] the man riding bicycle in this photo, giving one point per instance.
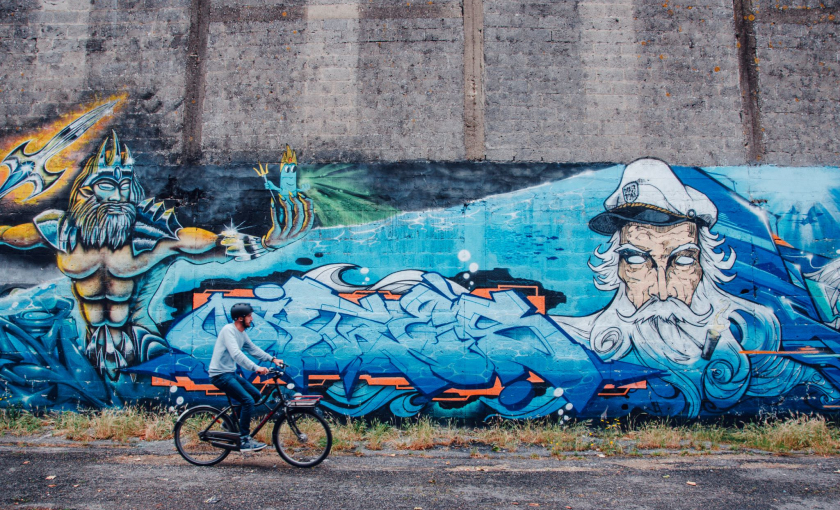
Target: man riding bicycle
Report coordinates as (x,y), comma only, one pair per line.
(226,355)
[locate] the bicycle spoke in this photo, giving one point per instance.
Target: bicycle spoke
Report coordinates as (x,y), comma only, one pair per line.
(187,436)
(302,439)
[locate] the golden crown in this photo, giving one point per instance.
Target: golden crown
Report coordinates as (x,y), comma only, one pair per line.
(289,157)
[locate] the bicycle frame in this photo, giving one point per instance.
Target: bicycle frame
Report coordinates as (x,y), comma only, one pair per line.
(230,440)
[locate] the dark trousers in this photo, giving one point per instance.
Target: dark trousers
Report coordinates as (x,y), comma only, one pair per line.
(242,391)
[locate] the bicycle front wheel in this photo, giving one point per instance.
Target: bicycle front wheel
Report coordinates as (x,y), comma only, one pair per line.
(193,422)
(302,438)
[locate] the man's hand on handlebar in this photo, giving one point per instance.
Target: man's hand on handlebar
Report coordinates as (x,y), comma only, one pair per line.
(262,370)
(278,362)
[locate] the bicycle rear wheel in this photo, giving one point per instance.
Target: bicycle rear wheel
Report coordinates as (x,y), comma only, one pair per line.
(190,445)
(302,438)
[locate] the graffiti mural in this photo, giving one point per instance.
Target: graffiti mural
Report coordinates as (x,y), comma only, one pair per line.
(113,243)
(617,289)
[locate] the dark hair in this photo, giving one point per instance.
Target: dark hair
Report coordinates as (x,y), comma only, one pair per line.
(240,310)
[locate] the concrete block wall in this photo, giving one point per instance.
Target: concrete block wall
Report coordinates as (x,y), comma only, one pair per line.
(567,81)
(351,81)
(798,56)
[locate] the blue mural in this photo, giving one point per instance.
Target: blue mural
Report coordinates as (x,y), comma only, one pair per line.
(618,289)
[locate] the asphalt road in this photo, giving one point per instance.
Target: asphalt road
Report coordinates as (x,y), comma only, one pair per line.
(149,478)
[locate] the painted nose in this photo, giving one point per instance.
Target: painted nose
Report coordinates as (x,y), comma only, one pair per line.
(660,289)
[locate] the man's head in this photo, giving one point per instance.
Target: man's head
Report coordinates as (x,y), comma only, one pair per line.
(661,246)
(104,196)
(241,313)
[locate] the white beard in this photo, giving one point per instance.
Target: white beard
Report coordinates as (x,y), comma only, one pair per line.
(669,331)
(669,335)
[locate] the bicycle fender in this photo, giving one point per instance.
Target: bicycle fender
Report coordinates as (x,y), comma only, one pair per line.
(210,409)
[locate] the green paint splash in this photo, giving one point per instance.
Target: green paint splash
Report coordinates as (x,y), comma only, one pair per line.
(340,195)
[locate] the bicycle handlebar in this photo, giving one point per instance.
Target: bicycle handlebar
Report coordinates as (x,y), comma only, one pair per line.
(277,372)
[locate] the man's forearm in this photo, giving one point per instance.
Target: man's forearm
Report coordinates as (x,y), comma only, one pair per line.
(255,351)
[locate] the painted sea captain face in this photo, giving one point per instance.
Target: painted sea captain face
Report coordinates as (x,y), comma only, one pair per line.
(660,262)
(660,245)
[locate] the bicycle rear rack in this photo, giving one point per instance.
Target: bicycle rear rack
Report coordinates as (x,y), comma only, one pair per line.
(304,401)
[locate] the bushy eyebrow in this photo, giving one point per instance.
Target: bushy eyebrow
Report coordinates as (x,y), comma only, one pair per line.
(630,247)
(684,247)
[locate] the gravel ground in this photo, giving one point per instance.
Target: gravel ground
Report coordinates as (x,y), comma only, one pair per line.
(47,472)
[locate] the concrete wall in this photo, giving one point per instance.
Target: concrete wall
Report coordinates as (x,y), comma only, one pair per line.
(430,246)
(720,83)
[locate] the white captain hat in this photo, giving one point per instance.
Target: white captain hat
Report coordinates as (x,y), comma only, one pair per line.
(651,193)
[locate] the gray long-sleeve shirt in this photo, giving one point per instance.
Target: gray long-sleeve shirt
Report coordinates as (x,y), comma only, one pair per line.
(228,352)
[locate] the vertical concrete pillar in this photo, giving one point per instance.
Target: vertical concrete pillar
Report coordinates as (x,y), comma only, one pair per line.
(748,79)
(195,82)
(474,79)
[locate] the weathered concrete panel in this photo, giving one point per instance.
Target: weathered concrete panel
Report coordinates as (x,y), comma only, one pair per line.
(342,82)
(799,61)
(619,78)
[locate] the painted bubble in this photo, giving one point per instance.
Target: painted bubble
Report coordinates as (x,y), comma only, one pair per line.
(269,291)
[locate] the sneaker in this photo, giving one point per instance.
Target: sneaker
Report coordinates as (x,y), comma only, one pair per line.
(249,444)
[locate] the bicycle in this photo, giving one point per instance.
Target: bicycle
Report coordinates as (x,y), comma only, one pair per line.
(205,435)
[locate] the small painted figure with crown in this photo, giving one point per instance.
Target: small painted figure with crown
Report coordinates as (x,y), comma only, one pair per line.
(288,189)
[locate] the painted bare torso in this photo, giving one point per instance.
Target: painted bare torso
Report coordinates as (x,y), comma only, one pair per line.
(105,280)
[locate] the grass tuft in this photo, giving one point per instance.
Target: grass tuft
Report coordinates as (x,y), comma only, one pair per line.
(797,433)
(19,423)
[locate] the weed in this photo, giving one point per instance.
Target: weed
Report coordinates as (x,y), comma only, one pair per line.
(659,434)
(501,435)
(800,432)
(346,435)
(73,426)
(420,435)
(378,434)
(18,423)
(795,433)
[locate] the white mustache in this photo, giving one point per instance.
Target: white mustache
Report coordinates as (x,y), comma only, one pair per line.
(670,310)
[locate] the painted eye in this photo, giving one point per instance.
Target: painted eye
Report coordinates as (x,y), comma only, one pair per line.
(105,186)
(125,185)
(684,261)
(635,259)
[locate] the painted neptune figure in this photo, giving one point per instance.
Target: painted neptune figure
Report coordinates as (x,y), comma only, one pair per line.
(114,243)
